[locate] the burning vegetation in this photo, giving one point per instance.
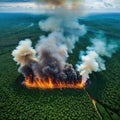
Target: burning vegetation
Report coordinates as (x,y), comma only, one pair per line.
(47,72)
(45,66)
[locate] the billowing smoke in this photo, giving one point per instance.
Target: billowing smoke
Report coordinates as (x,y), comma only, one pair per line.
(92,59)
(48,63)
(48,59)
(24,52)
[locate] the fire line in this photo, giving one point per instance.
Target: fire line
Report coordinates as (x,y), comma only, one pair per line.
(50,84)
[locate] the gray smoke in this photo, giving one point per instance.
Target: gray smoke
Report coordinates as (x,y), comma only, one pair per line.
(51,52)
(65,31)
(45,64)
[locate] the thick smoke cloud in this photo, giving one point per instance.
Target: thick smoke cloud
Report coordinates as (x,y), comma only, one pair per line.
(47,64)
(48,59)
(64,23)
(93,60)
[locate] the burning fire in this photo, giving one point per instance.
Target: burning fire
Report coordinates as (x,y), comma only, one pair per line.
(50,84)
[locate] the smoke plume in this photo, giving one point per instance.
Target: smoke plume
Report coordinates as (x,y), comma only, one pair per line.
(92,59)
(48,59)
(45,65)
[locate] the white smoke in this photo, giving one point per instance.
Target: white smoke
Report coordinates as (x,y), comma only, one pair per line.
(51,24)
(102,46)
(89,64)
(24,52)
(93,60)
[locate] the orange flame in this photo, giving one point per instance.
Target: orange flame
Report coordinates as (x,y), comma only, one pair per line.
(49,84)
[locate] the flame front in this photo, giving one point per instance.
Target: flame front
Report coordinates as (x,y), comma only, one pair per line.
(50,84)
